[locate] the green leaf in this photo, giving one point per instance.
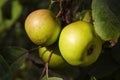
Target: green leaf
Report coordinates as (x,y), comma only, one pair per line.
(2,2)
(0,16)
(14,56)
(54,78)
(93,78)
(106,17)
(5,73)
(18,63)
(51,78)
(15,13)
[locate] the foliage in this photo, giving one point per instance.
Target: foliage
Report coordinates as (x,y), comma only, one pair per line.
(106,18)
(18,56)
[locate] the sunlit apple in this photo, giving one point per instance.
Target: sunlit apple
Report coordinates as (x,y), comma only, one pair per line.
(79,44)
(42,27)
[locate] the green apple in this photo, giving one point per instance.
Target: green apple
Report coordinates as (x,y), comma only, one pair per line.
(79,45)
(42,27)
(56,60)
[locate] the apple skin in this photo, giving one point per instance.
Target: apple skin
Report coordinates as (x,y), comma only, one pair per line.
(79,45)
(56,60)
(42,27)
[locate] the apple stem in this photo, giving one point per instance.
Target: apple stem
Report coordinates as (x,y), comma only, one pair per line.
(87,16)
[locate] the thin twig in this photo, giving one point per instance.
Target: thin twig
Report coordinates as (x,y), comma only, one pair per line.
(68,12)
(50,56)
(36,60)
(61,9)
(59,13)
(45,69)
(43,73)
(33,49)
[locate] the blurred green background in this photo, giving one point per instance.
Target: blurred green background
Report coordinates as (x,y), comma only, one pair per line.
(12,33)
(12,16)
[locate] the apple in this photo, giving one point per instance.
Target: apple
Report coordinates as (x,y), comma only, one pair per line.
(56,60)
(42,27)
(79,44)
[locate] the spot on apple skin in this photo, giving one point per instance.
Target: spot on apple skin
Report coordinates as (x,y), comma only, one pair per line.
(90,50)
